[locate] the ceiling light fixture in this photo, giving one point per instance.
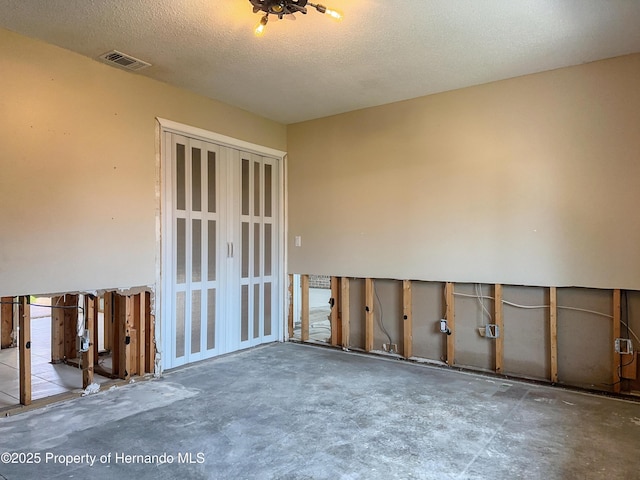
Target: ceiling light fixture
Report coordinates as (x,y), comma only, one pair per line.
(286,9)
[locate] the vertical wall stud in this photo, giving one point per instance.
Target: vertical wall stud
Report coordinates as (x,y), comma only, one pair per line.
(90,325)
(107,319)
(290,313)
(553,332)
(344,306)
(500,326)
(6,322)
(124,316)
(451,321)
(70,313)
(369,313)
(304,302)
(150,343)
(57,330)
(616,334)
(407,315)
(335,310)
(24,321)
(111,309)
(142,332)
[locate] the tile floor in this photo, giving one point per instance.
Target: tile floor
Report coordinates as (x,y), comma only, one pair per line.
(46,379)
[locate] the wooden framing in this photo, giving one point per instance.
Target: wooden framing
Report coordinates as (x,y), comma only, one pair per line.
(369,314)
(336,327)
(6,322)
(304,301)
(290,312)
(499,321)
(344,307)
(407,316)
(70,330)
(24,320)
(57,329)
(111,301)
(553,333)
(616,360)
(451,322)
(90,310)
(124,315)
(107,320)
(149,336)
(140,325)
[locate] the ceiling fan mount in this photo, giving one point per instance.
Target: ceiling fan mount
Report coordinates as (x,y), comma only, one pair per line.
(286,9)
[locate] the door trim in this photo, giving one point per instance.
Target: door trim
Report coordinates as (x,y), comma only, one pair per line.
(163,220)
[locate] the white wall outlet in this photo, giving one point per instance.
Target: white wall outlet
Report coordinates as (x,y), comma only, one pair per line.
(298,241)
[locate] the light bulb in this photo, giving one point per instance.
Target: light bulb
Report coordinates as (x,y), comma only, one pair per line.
(334,14)
(260,27)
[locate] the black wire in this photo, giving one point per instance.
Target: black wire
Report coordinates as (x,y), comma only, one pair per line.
(44,306)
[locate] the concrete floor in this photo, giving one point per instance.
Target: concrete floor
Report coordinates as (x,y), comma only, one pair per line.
(290,411)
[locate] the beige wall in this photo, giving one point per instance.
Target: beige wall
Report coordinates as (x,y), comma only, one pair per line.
(77,166)
(531,181)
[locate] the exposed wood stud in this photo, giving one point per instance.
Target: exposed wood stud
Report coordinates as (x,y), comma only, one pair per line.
(290,313)
(125,319)
(150,342)
(335,311)
(304,301)
(553,332)
(6,322)
(111,309)
(24,320)
(70,326)
(141,306)
(616,334)
(88,356)
(94,330)
(500,326)
(57,330)
(344,307)
(407,315)
(107,319)
(451,322)
(369,313)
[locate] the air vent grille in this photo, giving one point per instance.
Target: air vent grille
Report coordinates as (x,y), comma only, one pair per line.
(123,60)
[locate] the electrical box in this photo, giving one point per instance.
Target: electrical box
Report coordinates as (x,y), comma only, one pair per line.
(623,346)
(491,330)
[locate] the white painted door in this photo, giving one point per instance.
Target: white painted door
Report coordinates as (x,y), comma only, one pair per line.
(221,270)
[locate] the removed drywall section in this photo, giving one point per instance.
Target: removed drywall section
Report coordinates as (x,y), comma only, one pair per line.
(526,332)
(585,343)
(356,313)
(428,309)
(473,349)
(388,315)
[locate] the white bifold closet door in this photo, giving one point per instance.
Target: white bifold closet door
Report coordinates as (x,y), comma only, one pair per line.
(221,282)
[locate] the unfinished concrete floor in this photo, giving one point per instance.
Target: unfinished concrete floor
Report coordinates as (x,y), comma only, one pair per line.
(289,411)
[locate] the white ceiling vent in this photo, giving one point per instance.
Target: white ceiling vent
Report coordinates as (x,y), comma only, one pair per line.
(123,60)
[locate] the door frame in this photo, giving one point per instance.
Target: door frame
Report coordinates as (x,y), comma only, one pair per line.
(164,229)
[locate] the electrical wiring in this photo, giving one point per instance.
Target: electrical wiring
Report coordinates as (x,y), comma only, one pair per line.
(561,307)
(381,317)
(481,298)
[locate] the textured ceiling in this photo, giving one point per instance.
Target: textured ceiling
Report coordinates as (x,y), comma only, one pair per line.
(383,51)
